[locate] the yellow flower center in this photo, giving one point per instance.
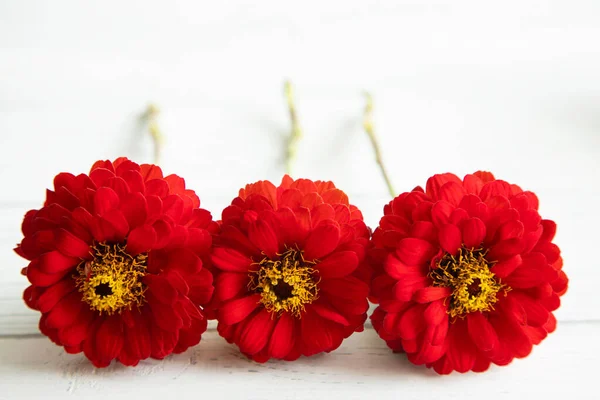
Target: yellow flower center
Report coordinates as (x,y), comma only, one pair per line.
(474,286)
(286,284)
(111,281)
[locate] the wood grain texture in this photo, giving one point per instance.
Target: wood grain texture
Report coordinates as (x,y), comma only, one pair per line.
(563,366)
(459,85)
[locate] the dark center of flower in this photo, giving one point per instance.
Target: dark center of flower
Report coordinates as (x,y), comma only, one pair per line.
(474,287)
(103,290)
(112,280)
(285,284)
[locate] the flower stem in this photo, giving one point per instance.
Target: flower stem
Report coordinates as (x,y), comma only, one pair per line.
(296,132)
(157,137)
(368,126)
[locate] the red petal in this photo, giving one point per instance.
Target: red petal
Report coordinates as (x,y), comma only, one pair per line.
(414,251)
(450,238)
(458,216)
(550,250)
(65,312)
(134,181)
(511,335)
(74,334)
(228,285)
(505,249)
(481,331)
(70,245)
(163,315)
(435,313)
(440,213)
(335,196)
(262,236)
(485,176)
(185,261)
(322,212)
(51,296)
(119,224)
(163,233)
(199,240)
(533,271)
(157,187)
(55,262)
(495,188)
(511,229)
(316,335)
(549,230)
(537,315)
(506,267)
(424,230)
(452,192)
(430,293)
(329,314)
(99,175)
(141,240)
(283,337)
(398,270)
(109,339)
(39,278)
(235,311)
(461,351)
(435,183)
(177,281)
(105,200)
(412,322)
(321,241)
(118,185)
(472,184)
(473,232)
(338,264)
(173,207)
(150,171)
(135,209)
(231,236)
(230,260)
(348,287)
(407,287)
(257,333)
(161,289)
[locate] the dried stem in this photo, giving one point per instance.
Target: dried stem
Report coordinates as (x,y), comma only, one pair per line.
(368,125)
(154,130)
(296,131)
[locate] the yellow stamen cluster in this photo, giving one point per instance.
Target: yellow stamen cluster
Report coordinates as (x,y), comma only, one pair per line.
(474,286)
(286,284)
(111,281)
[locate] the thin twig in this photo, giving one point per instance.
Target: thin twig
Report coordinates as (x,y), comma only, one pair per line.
(154,130)
(296,131)
(368,125)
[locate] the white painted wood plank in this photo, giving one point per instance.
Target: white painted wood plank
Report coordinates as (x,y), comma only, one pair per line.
(459,85)
(563,366)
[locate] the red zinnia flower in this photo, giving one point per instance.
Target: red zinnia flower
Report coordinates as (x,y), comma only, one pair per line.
(466,273)
(289,273)
(116,263)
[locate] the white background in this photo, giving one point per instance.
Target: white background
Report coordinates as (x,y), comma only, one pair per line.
(512,87)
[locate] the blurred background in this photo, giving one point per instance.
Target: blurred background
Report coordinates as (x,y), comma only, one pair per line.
(512,87)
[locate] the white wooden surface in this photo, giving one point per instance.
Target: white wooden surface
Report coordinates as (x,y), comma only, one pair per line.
(512,87)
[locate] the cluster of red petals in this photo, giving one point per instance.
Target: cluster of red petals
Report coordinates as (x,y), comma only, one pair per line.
(120,202)
(264,220)
(477,212)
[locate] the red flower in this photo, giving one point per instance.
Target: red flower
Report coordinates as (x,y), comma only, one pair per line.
(466,273)
(289,273)
(116,263)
